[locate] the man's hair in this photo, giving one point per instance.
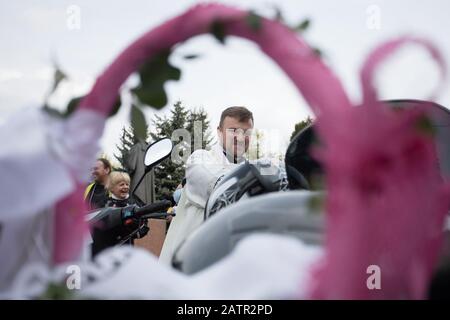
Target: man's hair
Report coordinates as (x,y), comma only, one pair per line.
(240,113)
(106,163)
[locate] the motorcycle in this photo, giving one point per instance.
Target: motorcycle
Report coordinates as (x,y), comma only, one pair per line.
(246,202)
(119,226)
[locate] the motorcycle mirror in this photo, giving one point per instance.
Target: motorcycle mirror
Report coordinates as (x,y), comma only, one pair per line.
(157,152)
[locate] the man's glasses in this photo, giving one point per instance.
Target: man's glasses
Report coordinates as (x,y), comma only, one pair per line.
(239,131)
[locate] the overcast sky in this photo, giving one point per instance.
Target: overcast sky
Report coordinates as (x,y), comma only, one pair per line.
(33,33)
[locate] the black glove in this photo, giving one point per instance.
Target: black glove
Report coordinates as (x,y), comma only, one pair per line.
(143,230)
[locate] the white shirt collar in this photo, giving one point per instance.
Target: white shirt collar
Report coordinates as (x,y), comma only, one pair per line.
(116,198)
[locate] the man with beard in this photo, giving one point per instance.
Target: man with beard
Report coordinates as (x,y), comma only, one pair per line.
(96,194)
(204,168)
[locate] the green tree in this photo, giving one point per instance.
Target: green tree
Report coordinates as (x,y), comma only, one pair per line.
(301,125)
(164,126)
(170,172)
(198,126)
(128,139)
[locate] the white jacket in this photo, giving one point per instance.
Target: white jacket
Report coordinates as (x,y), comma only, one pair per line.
(203,169)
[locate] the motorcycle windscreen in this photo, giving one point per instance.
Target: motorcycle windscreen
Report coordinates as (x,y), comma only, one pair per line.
(299,159)
(440,122)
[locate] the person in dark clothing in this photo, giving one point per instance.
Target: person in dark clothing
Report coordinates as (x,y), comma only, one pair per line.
(119,188)
(96,194)
(119,203)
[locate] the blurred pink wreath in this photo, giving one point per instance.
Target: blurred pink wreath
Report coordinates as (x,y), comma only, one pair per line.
(386,199)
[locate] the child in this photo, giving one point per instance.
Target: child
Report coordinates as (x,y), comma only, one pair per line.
(119,188)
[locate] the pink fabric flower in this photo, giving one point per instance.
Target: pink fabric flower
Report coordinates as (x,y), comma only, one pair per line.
(70,226)
(386,199)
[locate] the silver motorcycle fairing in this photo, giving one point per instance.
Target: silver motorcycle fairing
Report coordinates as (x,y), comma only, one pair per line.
(249,179)
(295,213)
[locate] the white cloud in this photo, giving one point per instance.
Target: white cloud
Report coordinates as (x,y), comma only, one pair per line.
(7,75)
(44,18)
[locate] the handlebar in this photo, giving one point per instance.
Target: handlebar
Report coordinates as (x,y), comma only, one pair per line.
(115,217)
(154,208)
(157,215)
